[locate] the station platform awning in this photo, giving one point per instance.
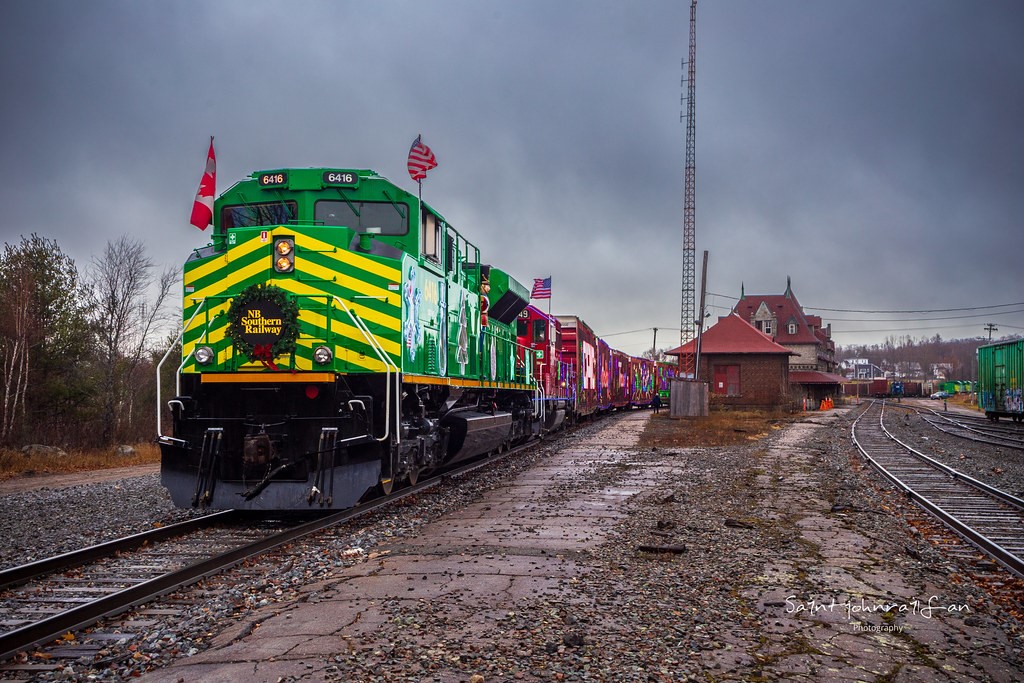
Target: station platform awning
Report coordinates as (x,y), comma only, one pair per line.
(814,377)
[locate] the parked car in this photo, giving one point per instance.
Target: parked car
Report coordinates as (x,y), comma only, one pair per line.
(940,395)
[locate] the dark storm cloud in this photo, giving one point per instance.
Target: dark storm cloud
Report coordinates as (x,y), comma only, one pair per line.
(870,150)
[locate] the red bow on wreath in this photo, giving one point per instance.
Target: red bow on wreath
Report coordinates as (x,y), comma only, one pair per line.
(264,353)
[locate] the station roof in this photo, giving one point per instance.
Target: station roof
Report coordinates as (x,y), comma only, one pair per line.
(786,309)
(732,334)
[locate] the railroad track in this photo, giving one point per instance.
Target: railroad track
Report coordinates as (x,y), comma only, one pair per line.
(978,429)
(988,518)
(43,600)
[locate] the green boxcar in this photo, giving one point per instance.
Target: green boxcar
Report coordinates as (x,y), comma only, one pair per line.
(1000,379)
(339,335)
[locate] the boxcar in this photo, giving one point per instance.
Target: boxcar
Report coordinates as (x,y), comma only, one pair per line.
(664,373)
(620,382)
(1000,375)
(580,349)
(641,381)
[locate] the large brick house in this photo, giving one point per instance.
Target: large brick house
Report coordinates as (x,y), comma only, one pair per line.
(780,316)
(743,367)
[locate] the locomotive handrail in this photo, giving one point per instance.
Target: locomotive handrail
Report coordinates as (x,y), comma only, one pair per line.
(388,365)
(177,374)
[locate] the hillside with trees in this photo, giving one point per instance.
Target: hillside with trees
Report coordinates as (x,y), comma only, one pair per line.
(903,356)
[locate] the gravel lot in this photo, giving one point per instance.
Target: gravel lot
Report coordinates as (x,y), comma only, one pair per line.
(710,612)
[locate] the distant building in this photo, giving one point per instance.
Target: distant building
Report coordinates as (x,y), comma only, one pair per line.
(942,371)
(860,368)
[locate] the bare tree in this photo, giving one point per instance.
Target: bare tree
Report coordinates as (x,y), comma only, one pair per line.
(129,301)
(16,283)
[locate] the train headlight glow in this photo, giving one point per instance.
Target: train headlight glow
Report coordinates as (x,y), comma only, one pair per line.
(204,355)
(322,355)
(284,254)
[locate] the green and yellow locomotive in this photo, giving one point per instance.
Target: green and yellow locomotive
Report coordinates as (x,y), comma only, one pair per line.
(340,338)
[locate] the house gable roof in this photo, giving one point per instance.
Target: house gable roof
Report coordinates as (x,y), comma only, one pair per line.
(786,308)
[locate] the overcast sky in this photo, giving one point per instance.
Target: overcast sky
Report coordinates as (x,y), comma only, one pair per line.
(871,150)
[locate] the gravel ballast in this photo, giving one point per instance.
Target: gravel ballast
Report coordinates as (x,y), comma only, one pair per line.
(757,562)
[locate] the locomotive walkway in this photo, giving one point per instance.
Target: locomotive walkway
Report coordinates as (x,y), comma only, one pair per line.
(605,562)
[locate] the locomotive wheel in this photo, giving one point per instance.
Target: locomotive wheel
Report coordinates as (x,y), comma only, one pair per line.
(414,476)
(387,486)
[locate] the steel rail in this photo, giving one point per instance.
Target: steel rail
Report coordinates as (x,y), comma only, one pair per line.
(962,431)
(15,576)
(1011,438)
(88,614)
(969,493)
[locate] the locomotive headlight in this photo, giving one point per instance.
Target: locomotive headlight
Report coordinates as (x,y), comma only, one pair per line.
(284,254)
(204,355)
(322,355)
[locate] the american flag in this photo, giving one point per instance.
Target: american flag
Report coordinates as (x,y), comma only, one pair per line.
(541,288)
(421,160)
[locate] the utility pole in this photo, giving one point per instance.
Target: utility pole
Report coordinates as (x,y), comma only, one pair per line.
(686,327)
(699,322)
(991,328)
(654,347)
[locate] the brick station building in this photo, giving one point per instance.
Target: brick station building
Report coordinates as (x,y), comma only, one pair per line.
(743,367)
(812,365)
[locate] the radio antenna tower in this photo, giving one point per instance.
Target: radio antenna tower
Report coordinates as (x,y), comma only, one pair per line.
(687,313)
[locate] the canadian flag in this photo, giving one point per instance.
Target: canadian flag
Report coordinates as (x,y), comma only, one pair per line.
(202,210)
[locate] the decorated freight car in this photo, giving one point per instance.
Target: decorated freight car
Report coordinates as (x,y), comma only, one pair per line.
(1000,379)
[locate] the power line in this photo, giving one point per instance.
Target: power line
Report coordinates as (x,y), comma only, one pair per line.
(902,329)
(924,320)
(645,329)
(857,310)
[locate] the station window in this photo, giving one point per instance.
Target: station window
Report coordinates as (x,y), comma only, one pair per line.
(262,213)
(791,328)
(358,215)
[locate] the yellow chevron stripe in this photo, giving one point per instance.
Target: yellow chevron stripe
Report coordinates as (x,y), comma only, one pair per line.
(340,326)
(350,257)
(211,313)
(235,252)
(355,284)
(391,322)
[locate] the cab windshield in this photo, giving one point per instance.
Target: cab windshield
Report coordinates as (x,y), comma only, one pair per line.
(390,218)
(263,213)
